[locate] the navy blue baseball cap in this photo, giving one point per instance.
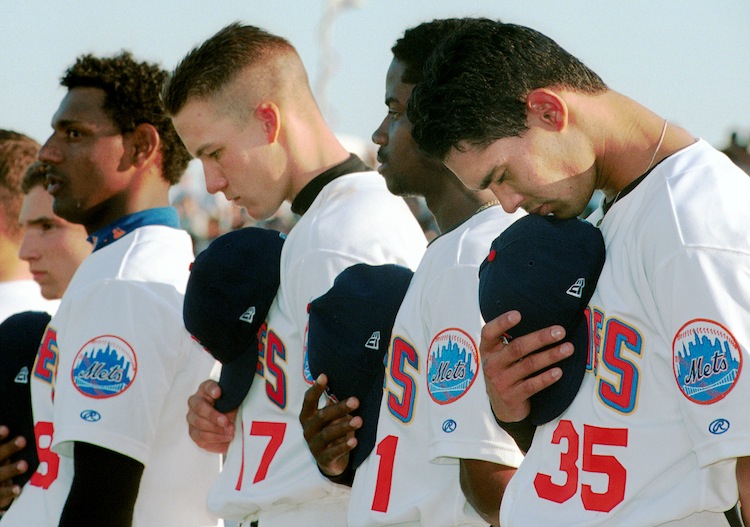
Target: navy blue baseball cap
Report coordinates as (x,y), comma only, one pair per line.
(547,269)
(348,334)
(21,335)
(232,285)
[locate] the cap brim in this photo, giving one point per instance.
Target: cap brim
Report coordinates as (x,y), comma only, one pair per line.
(237,378)
(551,402)
(369,410)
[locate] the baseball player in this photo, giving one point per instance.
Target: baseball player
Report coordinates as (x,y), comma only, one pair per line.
(54,249)
(242,104)
(116,364)
(18,292)
(439,458)
(659,433)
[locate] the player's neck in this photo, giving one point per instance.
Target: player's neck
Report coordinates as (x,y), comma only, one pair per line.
(310,151)
(453,204)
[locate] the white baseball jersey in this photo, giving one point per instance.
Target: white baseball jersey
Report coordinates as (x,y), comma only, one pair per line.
(17,296)
(654,431)
(115,369)
(269,472)
(435,410)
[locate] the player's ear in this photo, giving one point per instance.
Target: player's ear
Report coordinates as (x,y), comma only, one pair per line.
(270,118)
(546,108)
(144,144)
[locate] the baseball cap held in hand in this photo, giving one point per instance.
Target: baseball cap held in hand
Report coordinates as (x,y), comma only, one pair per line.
(348,334)
(231,287)
(546,269)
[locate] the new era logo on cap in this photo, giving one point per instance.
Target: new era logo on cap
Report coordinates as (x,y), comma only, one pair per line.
(576,289)
(374,341)
(546,269)
(248,315)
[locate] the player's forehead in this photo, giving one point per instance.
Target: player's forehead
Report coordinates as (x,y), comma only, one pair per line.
(199,124)
(467,160)
(396,91)
(36,203)
(83,106)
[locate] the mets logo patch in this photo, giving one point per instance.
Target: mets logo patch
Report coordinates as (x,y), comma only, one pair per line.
(707,361)
(104,367)
(452,365)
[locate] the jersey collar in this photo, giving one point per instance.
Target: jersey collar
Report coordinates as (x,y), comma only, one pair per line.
(310,191)
(114,231)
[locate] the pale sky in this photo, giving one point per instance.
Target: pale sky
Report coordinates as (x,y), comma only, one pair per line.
(688,60)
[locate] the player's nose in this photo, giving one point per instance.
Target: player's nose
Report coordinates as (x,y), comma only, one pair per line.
(29,249)
(215,181)
(380,135)
(50,153)
(509,199)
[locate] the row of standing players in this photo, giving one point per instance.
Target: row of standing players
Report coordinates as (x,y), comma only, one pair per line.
(656,433)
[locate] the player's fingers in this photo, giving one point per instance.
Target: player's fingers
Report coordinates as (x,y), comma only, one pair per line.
(496,347)
(11,446)
(510,386)
(311,398)
(334,459)
(493,332)
(209,438)
(330,422)
(11,470)
(7,494)
(210,388)
(332,432)
(201,405)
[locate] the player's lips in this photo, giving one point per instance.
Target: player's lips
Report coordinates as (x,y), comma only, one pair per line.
(382,160)
(53,182)
(38,275)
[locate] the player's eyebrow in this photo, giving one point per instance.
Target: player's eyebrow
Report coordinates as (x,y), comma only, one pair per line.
(39,221)
(391,100)
(202,150)
(488,179)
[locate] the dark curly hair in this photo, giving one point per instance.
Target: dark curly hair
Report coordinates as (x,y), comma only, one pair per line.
(414,48)
(132,98)
(17,152)
(476,82)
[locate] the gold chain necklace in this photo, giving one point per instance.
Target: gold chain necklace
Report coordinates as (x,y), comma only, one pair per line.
(488,205)
(650,163)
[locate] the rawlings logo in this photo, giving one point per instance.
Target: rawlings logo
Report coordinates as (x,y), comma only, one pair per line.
(92,416)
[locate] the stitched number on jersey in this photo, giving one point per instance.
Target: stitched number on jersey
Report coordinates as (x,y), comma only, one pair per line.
(275,352)
(402,354)
(619,341)
(48,460)
(593,500)
(275,432)
(46,360)
(386,451)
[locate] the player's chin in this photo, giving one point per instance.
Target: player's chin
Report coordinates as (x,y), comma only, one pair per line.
(393,182)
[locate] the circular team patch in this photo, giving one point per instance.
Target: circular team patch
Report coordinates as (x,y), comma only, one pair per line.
(707,361)
(104,367)
(452,365)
